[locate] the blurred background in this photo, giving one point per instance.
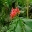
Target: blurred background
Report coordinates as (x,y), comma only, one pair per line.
(25,7)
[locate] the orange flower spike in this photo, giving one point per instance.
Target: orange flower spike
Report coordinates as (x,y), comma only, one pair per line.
(17,10)
(13,13)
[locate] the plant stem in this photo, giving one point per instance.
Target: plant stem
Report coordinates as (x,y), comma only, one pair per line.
(27,7)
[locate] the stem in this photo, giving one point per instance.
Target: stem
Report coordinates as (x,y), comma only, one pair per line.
(27,8)
(23,27)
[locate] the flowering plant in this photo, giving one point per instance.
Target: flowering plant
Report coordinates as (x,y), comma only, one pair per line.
(14,12)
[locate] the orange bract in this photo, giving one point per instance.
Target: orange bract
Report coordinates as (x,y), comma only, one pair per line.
(14,12)
(17,10)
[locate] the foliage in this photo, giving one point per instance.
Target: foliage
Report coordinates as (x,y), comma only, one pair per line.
(18,24)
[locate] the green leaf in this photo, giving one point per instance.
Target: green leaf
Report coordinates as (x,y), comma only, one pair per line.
(18,28)
(28,25)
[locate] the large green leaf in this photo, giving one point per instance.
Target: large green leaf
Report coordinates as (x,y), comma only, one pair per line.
(21,25)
